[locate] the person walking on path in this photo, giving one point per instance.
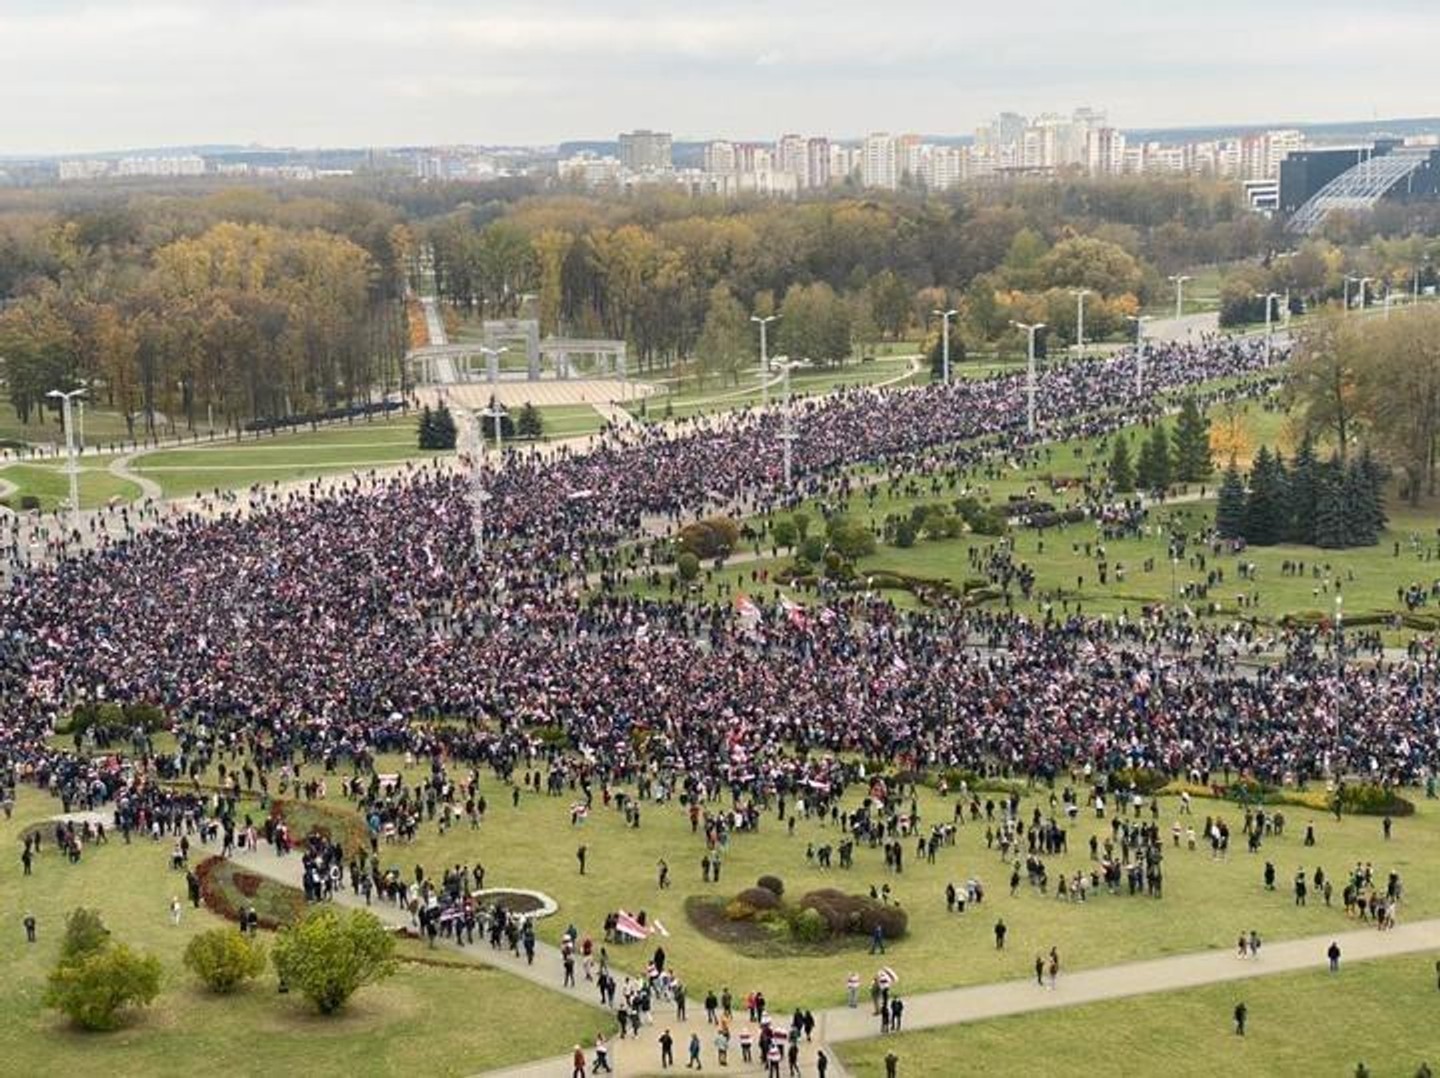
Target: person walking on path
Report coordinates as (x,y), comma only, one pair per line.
(577,1069)
(602,1056)
(852,988)
(1241,1012)
(693,1063)
(1333,954)
(667,1049)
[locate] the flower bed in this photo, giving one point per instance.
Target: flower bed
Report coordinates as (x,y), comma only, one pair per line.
(226,889)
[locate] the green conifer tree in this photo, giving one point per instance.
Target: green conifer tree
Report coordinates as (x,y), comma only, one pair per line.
(1330,521)
(1230,508)
(1153,472)
(1265,506)
(1191,461)
(1121,471)
(1303,491)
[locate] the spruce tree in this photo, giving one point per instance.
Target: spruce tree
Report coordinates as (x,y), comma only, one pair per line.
(1330,522)
(1301,503)
(1230,509)
(443,428)
(1265,507)
(1375,477)
(1154,469)
(427,428)
(1121,472)
(530,424)
(1191,437)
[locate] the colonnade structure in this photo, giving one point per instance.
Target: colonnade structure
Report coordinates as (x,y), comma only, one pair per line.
(564,358)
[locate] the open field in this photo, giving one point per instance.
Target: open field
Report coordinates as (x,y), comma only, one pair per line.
(50,483)
(1381,1013)
(438,1020)
(533,846)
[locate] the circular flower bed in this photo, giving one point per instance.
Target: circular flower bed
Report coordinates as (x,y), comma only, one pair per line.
(226,889)
(534,904)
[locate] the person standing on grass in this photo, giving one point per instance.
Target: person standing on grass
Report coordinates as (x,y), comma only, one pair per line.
(1333,954)
(892,1065)
(175,909)
(1241,1013)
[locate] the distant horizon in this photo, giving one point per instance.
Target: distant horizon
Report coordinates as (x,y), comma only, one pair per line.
(214,146)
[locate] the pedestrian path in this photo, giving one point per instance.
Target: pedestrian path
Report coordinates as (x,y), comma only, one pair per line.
(952,1006)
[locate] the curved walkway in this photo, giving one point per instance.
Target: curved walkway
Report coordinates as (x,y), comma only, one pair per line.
(841,1025)
(121,468)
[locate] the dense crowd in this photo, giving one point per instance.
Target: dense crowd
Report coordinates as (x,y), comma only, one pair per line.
(330,626)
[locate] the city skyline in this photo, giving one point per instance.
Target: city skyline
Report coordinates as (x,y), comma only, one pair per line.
(150,73)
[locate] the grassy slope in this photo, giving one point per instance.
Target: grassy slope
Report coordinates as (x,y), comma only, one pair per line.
(425,1020)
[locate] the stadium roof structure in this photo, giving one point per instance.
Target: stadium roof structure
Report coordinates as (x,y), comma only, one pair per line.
(1359,187)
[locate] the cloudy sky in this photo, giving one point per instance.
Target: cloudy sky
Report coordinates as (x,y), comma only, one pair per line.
(105,74)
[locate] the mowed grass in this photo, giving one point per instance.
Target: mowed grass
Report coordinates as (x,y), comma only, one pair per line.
(424,1020)
(1382,1013)
(724,396)
(1205,903)
(51,484)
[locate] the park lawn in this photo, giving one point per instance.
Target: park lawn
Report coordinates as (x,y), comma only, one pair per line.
(188,482)
(261,456)
(101,425)
(723,397)
(51,484)
(534,845)
(424,1020)
(568,420)
(1381,1012)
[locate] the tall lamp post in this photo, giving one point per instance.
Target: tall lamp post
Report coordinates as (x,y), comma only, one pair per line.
(764,323)
(1079,294)
(492,361)
(1178,280)
(787,432)
(1030,374)
(1139,320)
(945,317)
(496,413)
(1269,298)
(1360,292)
(72,466)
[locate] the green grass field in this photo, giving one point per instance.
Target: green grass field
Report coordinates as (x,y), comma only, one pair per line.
(533,846)
(1381,1013)
(430,1020)
(51,484)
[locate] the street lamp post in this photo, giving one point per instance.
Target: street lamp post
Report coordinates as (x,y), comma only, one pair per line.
(763,323)
(72,466)
(496,413)
(1139,320)
(1269,298)
(1178,280)
(788,434)
(1079,294)
(945,317)
(1030,373)
(492,362)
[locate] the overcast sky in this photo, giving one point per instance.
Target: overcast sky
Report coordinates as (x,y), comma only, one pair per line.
(110,74)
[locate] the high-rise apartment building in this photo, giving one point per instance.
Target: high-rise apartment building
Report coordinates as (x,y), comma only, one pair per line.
(646,151)
(878,163)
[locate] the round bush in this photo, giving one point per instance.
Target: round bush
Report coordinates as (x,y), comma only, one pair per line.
(892,920)
(809,926)
(224,959)
(759,898)
(772,884)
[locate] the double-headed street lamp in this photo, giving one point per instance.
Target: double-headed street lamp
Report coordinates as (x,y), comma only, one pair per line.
(496,413)
(1178,280)
(787,431)
(945,317)
(1079,294)
(763,323)
(492,361)
(1030,373)
(72,466)
(1139,320)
